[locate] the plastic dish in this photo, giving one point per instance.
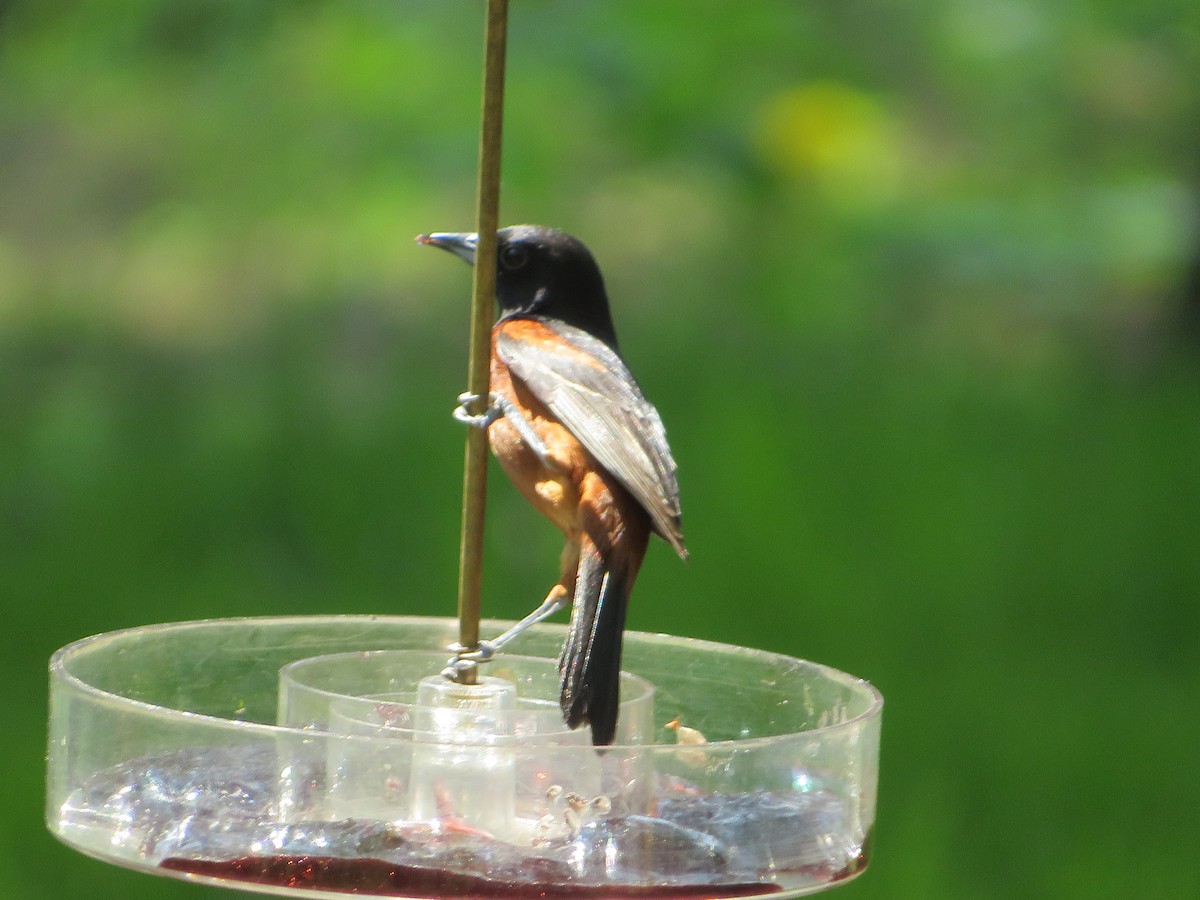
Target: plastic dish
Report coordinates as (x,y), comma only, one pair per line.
(309,755)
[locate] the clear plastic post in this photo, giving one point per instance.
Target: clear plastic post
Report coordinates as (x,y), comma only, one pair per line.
(463,769)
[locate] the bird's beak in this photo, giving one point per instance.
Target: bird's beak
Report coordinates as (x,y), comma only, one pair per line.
(461,245)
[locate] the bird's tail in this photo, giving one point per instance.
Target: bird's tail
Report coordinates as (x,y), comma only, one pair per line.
(591,661)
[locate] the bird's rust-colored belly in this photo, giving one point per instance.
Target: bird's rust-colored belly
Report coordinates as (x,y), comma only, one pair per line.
(554,490)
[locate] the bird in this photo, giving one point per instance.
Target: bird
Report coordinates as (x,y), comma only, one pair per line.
(573,431)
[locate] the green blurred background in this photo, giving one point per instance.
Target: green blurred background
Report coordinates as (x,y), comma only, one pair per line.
(914,286)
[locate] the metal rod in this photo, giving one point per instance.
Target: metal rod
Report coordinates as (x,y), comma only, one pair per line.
(483,292)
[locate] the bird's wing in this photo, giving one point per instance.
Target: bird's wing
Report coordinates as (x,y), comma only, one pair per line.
(592,392)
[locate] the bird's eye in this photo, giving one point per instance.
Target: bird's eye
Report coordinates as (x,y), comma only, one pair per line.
(513,256)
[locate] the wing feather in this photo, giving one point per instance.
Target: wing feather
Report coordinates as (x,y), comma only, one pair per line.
(589,389)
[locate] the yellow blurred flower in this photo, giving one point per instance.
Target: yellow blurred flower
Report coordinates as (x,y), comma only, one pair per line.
(841,138)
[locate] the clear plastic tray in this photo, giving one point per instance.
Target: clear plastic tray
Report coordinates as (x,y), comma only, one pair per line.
(302,756)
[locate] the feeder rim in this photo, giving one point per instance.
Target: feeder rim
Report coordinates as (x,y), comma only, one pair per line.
(58,670)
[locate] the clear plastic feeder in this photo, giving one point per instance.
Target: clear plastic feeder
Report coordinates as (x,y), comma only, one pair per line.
(303,756)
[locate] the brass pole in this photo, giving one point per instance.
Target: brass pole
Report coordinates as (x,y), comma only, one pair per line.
(483,292)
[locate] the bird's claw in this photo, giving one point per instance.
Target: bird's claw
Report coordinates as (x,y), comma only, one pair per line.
(481,654)
(456,669)
(481,420)
(465,660)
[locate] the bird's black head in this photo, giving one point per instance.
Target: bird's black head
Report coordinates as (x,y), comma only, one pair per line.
(542,273)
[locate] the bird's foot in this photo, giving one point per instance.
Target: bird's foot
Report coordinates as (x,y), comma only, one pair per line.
(469,658)
(502,407)
(481,654)
(482,420)
(465,660)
